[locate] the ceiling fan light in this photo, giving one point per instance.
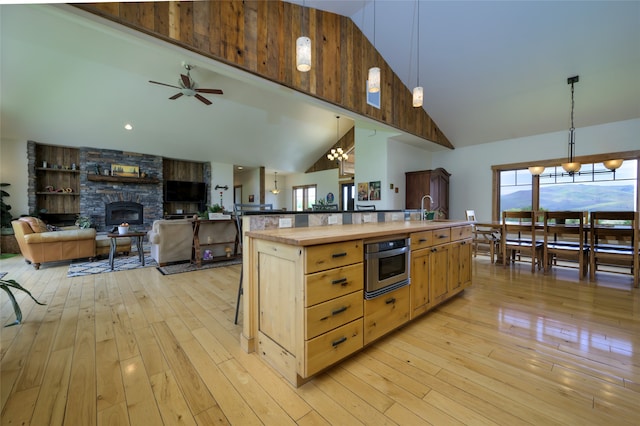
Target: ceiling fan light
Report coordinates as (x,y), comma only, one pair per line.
(417,96)
(571,167)
(303,54)
(374,80)
(536,170)
(613,164)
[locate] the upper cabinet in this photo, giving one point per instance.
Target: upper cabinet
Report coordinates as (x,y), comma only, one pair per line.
(434,183)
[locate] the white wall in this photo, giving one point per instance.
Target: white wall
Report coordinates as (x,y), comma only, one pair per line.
(402,158)
(13,170)
(470,167)
(222,175)
(326,181)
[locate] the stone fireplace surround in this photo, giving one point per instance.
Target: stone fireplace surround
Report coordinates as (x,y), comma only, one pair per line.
(94,195)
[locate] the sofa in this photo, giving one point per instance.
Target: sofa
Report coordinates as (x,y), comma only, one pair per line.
(171,240)
(38,244)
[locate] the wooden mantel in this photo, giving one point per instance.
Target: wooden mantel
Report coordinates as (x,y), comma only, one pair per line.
(260,36)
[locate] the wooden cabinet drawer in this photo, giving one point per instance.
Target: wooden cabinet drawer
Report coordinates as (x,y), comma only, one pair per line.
(326,285)
(331,347)
(461,232)
(385,313)
(441,236)
(332,314)
(328,256)
(421,240)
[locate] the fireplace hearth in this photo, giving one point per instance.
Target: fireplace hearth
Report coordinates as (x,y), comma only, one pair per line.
(118,212)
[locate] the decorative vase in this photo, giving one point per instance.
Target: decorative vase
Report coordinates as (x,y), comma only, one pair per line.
(429,215)
(123,230)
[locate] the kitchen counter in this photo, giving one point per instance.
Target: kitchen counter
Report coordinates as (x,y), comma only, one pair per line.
(331,234)
(303,305)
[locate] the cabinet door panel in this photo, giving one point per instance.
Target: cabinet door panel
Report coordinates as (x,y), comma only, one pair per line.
(385,313)
(420,297)
(332,314)
(331,347)
(439,273)
(326,285)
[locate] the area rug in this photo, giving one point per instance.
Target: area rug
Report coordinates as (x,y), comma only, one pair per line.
(80,268)
(189,267)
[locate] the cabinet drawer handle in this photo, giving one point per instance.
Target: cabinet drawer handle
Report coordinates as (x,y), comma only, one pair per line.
(338,255)
(337,342)
(339,310)
(390,301)
(422,240)
(339,281)
(433,250)
(441,236)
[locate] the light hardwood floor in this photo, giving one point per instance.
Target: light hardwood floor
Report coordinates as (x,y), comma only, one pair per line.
(141,348)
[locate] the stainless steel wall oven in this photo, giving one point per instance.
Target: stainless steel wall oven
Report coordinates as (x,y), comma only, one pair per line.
(386,265)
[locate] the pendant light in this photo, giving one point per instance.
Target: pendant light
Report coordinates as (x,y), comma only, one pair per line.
(275,190)
(373,77)
(337,153)
(303,48)
(572,166)
(418,94)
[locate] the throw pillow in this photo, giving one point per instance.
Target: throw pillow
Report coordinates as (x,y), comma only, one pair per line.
(52,228)
(36,224)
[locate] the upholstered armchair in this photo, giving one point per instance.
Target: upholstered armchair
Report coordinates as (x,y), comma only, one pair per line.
(39,245)
(171,240)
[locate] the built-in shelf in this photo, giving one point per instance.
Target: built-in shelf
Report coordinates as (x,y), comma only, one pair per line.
(49,169)
(122,179)
(57,193)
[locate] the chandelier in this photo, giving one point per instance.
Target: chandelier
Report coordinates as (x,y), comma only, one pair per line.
(572,167)
(275,190)
(337,153)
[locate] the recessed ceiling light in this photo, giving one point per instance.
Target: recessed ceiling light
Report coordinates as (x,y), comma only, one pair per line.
(128,126)
(240,167)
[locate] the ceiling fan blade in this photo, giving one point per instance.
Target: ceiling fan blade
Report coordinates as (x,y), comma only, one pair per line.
(186,81)
(176,96)
(164,84)
(213,91)
(203,99)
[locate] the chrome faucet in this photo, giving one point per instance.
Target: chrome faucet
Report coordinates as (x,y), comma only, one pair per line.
(422,211)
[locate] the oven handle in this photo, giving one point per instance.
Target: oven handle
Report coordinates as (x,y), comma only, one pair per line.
(387,253)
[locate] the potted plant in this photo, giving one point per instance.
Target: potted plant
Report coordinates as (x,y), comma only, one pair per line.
(5,215)
(83,222)
(214,211)
(6,285)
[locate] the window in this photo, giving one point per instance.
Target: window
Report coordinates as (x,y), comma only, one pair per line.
(303,197)
(515,190)
(593,188)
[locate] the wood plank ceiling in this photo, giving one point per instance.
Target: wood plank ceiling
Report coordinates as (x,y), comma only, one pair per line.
(259,37)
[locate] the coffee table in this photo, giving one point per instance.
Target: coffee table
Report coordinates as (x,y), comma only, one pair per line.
(136,236)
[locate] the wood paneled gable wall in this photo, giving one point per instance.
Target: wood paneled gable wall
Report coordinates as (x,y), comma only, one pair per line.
(259,37)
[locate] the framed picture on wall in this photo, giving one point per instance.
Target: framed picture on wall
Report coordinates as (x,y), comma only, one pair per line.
(124,170)
(374,190)
(363,191)
(251,199)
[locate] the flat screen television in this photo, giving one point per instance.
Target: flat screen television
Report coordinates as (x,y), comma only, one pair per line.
(186,192)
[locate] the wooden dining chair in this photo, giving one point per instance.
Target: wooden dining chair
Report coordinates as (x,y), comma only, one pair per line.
(483,236)
(238,210)
(519,237)
(564,238)
(613,238)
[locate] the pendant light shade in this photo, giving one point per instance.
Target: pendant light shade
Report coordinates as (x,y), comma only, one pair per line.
(613,164)
(417,96)
(374,80)
(536,170)
(275,190)
(571,167)
(418,93)
(303,53)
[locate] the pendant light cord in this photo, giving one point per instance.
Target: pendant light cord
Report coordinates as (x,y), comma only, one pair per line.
(572,128)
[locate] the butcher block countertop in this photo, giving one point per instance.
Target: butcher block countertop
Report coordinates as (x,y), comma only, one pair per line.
(335,233)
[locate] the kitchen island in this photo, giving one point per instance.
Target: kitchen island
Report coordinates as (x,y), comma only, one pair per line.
(304,305)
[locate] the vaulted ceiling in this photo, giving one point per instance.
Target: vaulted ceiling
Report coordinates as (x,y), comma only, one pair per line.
(490,71)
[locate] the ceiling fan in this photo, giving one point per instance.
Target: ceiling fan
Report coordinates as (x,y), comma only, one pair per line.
(188,87)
